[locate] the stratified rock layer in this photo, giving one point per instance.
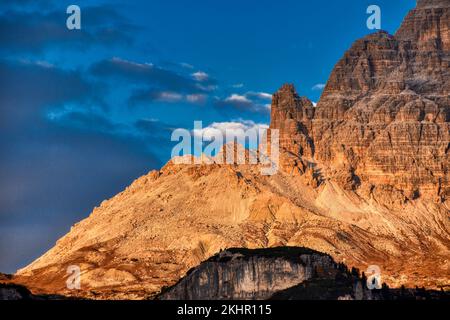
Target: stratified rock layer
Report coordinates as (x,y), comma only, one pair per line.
(385,111)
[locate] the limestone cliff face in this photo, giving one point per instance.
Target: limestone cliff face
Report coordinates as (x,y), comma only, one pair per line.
(385,111)
(282,273)
(239,274)
(364,179)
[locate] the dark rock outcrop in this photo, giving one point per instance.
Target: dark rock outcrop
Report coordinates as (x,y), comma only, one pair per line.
(251,274)
(283,273)
(14,292)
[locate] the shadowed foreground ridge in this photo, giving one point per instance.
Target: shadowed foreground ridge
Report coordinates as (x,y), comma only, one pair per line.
(283,273)
(239,274)
(12,291)
(364,178)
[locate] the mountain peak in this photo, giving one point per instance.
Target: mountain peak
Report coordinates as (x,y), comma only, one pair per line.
(287,88)
(288,109)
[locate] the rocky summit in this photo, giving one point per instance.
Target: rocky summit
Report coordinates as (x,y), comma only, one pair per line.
(364,178)
(384,115)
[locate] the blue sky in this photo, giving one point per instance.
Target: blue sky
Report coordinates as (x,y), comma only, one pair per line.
(84,112)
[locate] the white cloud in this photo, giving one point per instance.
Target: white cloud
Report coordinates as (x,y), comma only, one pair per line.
(173,97)
(186,65)
(237,98)
(200,76)
(136,64)
(209,88)
(196,98)
(168,96)
(319,86)
(250,101)
(236,128)
(40,63)
(44,64)
(265,95)
(259,95)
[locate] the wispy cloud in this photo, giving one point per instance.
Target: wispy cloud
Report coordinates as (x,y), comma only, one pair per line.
(237,98)
(255,102)
(35,31)
(147,74)
(186,65)
(319,86)
(154,95)
(196,98)
(259,95)
(200,76)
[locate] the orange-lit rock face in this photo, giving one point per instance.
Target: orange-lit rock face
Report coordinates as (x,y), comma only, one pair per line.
(385,110)
(289,113)
(364,178)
